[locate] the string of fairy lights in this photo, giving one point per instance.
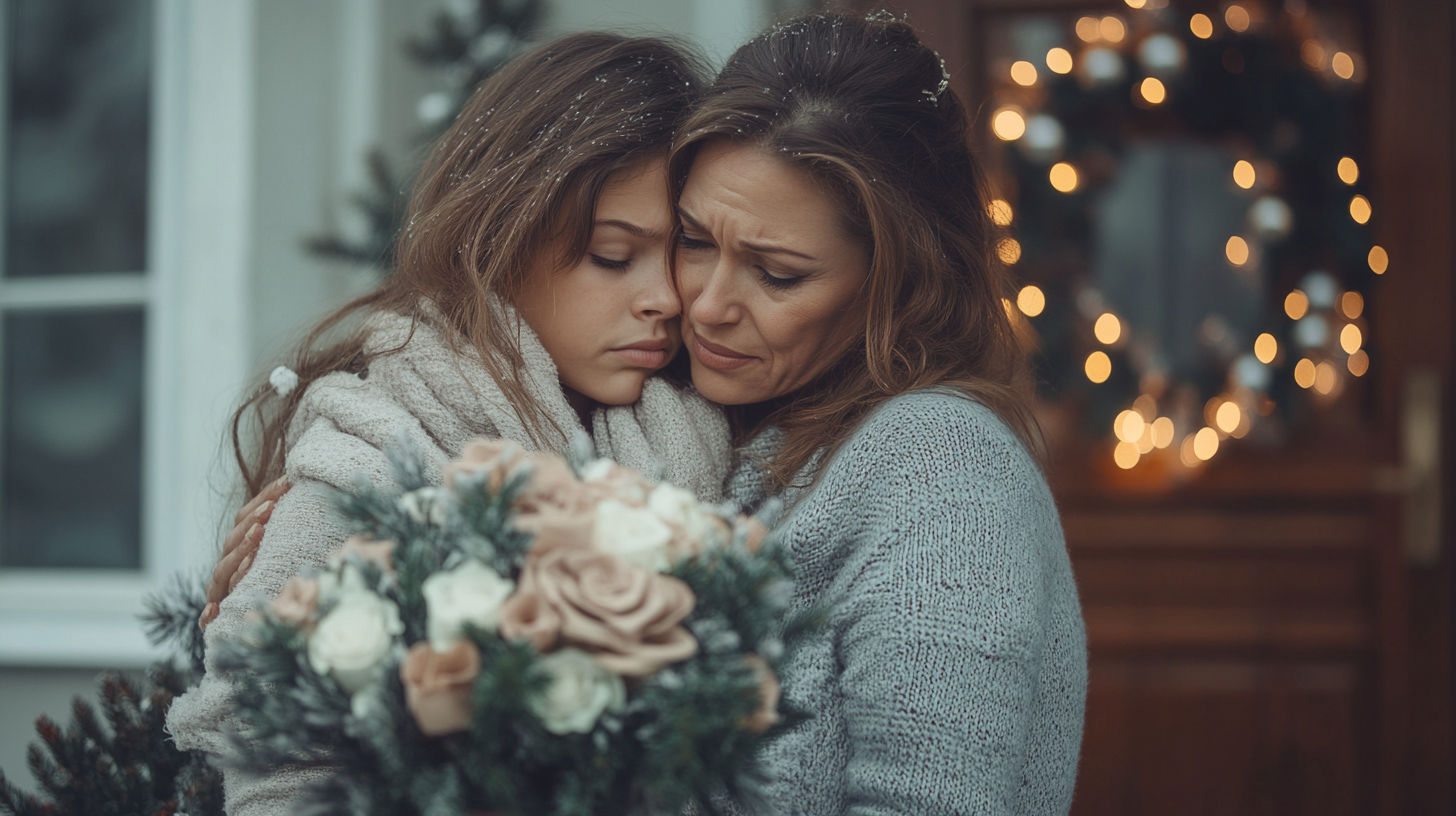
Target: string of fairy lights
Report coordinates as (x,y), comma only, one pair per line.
(1323,341)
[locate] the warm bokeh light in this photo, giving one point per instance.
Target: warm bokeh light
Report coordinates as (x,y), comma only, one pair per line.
(1237,250)
(1162,432)
(1228,417)
(1063,177)
(1350,338)
(1313,54)
(1379,260)
(1266,348)
(1296,304)
(1343,65)
(1059,61)
(1125,455)
(1359,363)
(1000,211)
(1237,18)
(1023,73)
(1112,29)
(1146,406)
(1144,443)
(1128,426)
(1089,29)
(1304,373)
(1201,26)
(1008,124)
(1107,329)
(1137,4)
(1098,367)
(1325,378)
(1153,91)
(1352,304)
(1349,171)
(1205,444)
(1008,250)
(1360,209)
(1244,174)
(1031,301)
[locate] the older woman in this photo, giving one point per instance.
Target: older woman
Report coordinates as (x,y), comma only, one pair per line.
(838,297)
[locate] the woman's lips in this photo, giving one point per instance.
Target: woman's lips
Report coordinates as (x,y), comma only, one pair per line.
(646,353)
(718,357)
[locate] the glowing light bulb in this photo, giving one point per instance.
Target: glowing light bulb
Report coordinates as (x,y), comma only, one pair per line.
(1000,212)
(1098,367)
(1359,363)
(1266,348)
(1059,61)
(1107,329)
(1296,304)
(1325,378)
(1343,65)
(1137,4)
(1023,73)
(1112,29)
(1379,260)
(1244,175)
(1352,304)
(1126,455)
(1162,432)
(1008,124)
(1350,338)
(1153,91)
(1360,209)
(1201,26)
(1228,416)
(1205,444)
(1237,250)
(1349,171)
(1008,250)
(1237,18)
(1031,301)
(1304,373)
(1089,29)
(1128,426)
(1063,177)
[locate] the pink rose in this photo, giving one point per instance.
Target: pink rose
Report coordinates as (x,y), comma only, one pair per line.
(768,696)
(297,602)
(626,616)
(371,551)
(492,457)
(554,529)
(437,686)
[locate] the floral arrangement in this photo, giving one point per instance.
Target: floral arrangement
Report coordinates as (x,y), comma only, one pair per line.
(532,636)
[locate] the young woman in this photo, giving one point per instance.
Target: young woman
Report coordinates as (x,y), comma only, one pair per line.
(531,300)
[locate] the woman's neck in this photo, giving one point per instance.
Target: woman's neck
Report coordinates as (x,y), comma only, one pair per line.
(581,404)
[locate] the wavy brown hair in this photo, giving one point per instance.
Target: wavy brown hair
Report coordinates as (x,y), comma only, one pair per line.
(862,106)
(516,176)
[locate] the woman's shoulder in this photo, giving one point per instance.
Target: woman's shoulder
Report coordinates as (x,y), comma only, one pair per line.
(920,428)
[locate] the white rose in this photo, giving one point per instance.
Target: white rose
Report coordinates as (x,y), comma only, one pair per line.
(674,505)
(354,637)
(635,535)
(596,470)
(426,505)
(470,593)
(580,691)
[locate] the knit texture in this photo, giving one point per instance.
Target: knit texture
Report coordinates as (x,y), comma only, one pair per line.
(438,399)
(953,674)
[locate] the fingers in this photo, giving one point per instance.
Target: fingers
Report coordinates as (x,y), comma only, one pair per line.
(271,493)
(209,614)
(242,571)
(260,514)
(222,575)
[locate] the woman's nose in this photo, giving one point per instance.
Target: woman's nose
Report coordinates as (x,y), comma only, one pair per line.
(659,299)
(713,302)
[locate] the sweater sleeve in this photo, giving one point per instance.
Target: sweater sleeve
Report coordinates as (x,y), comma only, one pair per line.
(943,621)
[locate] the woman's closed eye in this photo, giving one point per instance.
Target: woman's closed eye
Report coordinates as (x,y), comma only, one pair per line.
(773,281)
(690,243)
(610,263)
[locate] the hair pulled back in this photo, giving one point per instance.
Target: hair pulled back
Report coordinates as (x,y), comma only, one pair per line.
(515,176)
(863,107)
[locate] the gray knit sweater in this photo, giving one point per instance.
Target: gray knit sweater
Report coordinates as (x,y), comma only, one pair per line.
(953,674)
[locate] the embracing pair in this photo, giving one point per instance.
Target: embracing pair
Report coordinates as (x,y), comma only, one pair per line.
(778,284)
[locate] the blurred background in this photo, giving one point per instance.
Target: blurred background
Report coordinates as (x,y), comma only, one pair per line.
(1231,226)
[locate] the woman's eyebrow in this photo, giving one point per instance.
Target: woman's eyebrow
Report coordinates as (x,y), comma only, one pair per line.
(760,248)
(630,228)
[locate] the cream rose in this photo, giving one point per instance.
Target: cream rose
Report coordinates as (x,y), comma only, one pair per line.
(374,552)
(355,637)
(635,535)
(580,690)
(470,593)
(627,616)
(437,686)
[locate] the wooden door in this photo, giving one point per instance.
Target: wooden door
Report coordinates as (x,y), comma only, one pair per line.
(1274,635)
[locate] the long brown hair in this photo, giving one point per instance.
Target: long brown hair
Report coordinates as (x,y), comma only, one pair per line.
(517,175)
(863,106)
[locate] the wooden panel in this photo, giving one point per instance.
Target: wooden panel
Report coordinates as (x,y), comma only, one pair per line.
(1237,737)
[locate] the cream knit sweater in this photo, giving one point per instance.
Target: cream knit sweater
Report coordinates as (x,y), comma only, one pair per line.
(439,400)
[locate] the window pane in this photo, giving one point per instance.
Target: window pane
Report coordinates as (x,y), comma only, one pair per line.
(76,164)
(72,435)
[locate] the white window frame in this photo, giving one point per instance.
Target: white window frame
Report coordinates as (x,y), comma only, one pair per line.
(194,294)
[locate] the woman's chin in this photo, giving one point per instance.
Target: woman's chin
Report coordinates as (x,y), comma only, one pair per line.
(717,387)
(621,388)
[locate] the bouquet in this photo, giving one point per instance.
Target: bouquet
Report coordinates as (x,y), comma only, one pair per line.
(534,636)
